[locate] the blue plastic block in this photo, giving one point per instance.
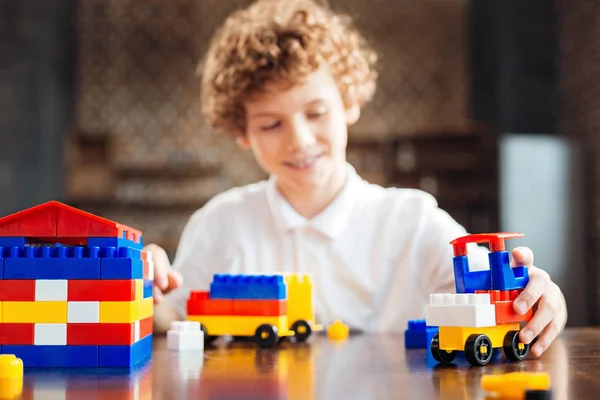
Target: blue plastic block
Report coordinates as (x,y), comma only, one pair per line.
(48,262)
(148,288)
(114,242)
(503,276)
(466,281)
(126,356)
(55,356)
(122,264)
(1,263)
(419,335)
(257,287)
(12,242)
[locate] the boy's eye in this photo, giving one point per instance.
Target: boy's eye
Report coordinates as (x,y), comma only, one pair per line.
(270,126)
(317,112)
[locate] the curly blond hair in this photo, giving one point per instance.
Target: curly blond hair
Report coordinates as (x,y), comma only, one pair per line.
(281,39)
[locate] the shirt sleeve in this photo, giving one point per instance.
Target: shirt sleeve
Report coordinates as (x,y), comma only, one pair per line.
(438,231)
(193,261)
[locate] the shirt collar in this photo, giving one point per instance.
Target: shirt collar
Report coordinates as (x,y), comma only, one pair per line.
(330,221)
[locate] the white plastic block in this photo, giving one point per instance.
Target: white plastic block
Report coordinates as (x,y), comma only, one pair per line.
(185,335)
(50,334)
(51,290)
(50,391)
(465,315)
(136,331)
(460,299)
(83,311)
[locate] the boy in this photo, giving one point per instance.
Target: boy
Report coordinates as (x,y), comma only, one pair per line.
(286,79)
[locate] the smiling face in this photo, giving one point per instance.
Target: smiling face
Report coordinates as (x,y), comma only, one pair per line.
(299,133)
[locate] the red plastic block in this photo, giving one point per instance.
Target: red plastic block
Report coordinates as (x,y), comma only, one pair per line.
(18,334)
(200,304)
(503,300)
(100,334)
(35,221)
(146,327)
(263,308)
(101,290)
(17,290)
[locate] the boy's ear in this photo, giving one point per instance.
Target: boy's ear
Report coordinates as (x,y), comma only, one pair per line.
(352,114)
(242,141)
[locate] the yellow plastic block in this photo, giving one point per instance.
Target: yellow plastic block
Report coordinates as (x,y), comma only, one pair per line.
(300,298)
(1,310)
(139,289)
(219,325)
(35,311)
(125,311)
(455,337)
(10,366)
(514,384)
(338,331)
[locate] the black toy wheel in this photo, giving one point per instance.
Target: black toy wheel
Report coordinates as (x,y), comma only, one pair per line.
(302,330)
(441,356)
(266,335)
(514,349)
(478,349)
(208,340)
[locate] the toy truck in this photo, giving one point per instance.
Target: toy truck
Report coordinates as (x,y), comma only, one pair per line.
(268,308)
(480,316)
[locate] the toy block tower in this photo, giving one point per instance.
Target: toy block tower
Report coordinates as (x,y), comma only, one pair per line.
(75,290)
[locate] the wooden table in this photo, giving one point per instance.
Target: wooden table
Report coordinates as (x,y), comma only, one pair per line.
(364,367)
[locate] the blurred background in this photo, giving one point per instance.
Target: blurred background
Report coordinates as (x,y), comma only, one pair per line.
(490,105)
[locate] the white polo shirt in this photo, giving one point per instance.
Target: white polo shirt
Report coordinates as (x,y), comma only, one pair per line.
(376,254)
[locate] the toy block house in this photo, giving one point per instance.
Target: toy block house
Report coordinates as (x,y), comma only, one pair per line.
(75,290)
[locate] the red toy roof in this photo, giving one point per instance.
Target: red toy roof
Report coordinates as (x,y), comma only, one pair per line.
(496,241)
(54,219)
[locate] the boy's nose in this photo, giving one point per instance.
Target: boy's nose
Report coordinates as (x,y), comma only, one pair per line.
(301,135)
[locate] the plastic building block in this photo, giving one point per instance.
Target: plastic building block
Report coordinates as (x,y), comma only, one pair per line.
(125,311)
(15,333)
(418,335)
(503,301)
(17,290)
(338,331)
(148,289)
(463,309)
(37,312)
(50,334)
(108,334)
(83,312)
(9,242)
(199,303)
(125,356)
(51,290)
(37,221)
(11,367)
(185,335)
(515,384)
(503,276)
(300,307)
(102,290)
(267,308)
(122,264)
(466,281)
(49,262)
(55,356)
(115,242)
(265,287)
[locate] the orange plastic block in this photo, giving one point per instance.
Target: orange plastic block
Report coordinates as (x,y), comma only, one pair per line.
(503,301)
(199,303)
(267,308)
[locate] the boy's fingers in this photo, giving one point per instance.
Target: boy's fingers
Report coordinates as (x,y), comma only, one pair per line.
(546,338)
(521,256)
(540,320)
(157,295)
(537,286)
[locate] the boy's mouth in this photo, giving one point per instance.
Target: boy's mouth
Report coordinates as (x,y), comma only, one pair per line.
(302,163)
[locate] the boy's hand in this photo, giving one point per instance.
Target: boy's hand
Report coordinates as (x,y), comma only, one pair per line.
(551,315)
(165,277)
